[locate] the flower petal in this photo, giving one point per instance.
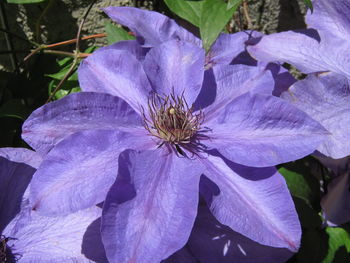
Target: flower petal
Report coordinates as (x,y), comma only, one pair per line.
(154,28)
(176,67)
(255,202)
(331,17)
(309,54)
(132,46)
(213,242)
(78,172)
(326,98)
(50,239)
(140,225)
(229,46)
(81,111)
(336,203)
(235,80)
(14,180)
(21,155)
(259,130)
(116,72)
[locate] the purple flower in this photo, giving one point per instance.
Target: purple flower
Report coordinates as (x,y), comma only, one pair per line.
(152,28)
(326,49)
(325,97)
(146,148)
(30,237)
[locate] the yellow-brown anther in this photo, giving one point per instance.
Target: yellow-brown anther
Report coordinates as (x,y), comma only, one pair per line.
(172,120)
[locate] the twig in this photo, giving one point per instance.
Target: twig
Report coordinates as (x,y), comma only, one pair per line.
(246,14)
(71,41)
(76,58)
(64,53)
(19,37)
(8,38)
(37,23)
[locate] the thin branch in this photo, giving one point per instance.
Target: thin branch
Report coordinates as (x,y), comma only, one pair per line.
(19,37)
(64,53)
(37,23)
(8,38)
(72,41)
(246,15)
(76,58)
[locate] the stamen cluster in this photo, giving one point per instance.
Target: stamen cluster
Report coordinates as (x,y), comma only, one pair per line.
(172,120)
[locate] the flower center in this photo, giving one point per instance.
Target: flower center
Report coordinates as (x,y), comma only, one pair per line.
(173,121)
(5,255)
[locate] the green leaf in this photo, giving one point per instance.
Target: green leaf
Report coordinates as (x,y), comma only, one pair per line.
(14,108)
(60,74)
(338,245)
(188,10)
(301,182)
(214,17)
(116,34)
(24,1)
(233,3)
(308,3)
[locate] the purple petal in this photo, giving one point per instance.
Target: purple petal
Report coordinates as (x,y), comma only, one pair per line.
(132,46)
(116,72)
(259,130)
(213,242)
(14,180)
(235,80)
(78,172)
(255,202)
(154,28)
(306,53)
(326,98)
(21,155)
(50,239)
(176,67)
(336,203)
(55,121)
(154,218)
(331,17)
(229,46)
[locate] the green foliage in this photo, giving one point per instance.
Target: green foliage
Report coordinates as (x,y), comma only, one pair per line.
(210,16)
(309,5)
(338,245)
(301,182)
(25,1)
(116,34)
(188,10)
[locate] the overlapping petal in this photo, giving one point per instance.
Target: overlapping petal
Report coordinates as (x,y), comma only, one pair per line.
(331,17)
(55,121)
(326,98)
(336,203)
(150,210)
(118,73)
(228,46)
(259,130)
(78,172)
(231,81)
(14,180)
(176,67)
(255,202)
(152,27)
(213,242)
(36,238)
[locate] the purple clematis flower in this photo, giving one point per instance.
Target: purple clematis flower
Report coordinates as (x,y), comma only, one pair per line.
(29,237)
(325,97)
(326,49)
(152,28)
(144,150)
